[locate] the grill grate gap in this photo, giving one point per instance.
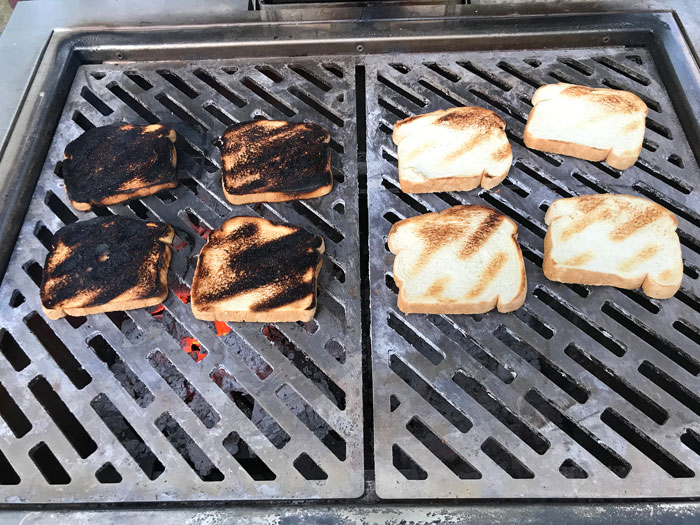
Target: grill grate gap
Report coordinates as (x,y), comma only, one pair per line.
(12,414)
(8,475)
(500,455)
(127,436)
(12,351)
(247,459)
(48,465)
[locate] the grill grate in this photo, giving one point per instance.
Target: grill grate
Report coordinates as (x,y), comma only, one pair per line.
(583,392)
(110,407)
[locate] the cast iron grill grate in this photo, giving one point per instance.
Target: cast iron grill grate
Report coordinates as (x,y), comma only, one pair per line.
(583,392)
(111,407)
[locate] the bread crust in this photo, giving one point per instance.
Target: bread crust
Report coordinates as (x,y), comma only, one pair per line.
(272,196)
(409,307)
(651,286)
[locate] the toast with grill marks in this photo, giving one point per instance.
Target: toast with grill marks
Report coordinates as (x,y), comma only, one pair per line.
(587,123)
(464,260)
(452,150)
(615,240)
(120,162)
(256,271)
(275,161)
(106,264)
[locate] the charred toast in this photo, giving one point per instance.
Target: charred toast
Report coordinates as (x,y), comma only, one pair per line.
(616,240)
(456,149)
(464,260)
(117,163)
(256,271)
(106,264)
(275,161)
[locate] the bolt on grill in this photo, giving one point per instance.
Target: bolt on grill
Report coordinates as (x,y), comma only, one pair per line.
(154,404)
(582,392)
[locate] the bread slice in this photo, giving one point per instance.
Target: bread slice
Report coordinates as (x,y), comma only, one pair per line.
(587,123)
(616,240)
(120,162)
(256,271)
(275,161)
(464,260)
(106,264)
(456,149)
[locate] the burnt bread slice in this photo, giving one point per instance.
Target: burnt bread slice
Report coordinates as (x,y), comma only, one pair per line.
(120,162)
(254,270)
(275,161)
(106,264)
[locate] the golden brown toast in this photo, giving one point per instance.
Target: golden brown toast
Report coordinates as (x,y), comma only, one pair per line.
(275,161)
(456,149)
(464,260)
(615,240)
(588,123)
(106,264)
(256,271)
(120,162)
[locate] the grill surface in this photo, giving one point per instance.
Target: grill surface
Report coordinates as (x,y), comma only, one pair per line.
(584,391)
(110,407)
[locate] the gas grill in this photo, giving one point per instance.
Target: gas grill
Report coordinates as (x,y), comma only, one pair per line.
(583,393)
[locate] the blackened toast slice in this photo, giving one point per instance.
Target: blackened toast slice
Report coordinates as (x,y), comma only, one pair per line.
(118,163)
(275,161)
(256,271)
(106,264)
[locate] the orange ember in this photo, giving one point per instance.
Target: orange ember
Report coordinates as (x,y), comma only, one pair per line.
(192,347)
(179,246)
(221,328)
(203,231)
(157,312)
(182,292)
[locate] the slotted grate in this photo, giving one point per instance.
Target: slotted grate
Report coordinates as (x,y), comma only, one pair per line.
(582,392)
(112,407)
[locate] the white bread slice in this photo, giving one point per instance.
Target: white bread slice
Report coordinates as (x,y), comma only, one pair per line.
(256,271)
(588,123)
(616,240)
(456,149)
(464,260)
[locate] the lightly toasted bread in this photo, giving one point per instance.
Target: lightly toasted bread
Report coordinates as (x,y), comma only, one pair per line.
(106,264)
(275,161)
(615,240)
(464,260)
(588,123)
(253,270)
(456,149)
(118,163)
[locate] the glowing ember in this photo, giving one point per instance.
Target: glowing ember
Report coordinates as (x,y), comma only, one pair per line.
(221,328)
(203,231)
(157,312)
(183,293)
(192,347)
(179,246)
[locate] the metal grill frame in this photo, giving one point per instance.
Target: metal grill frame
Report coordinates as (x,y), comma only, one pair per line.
(281,34)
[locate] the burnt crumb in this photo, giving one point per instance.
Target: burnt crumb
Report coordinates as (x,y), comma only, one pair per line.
(101,258)
(118,159)
(280,268)
(275,156)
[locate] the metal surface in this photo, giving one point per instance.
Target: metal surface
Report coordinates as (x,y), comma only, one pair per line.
(296,396)
(582,392)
